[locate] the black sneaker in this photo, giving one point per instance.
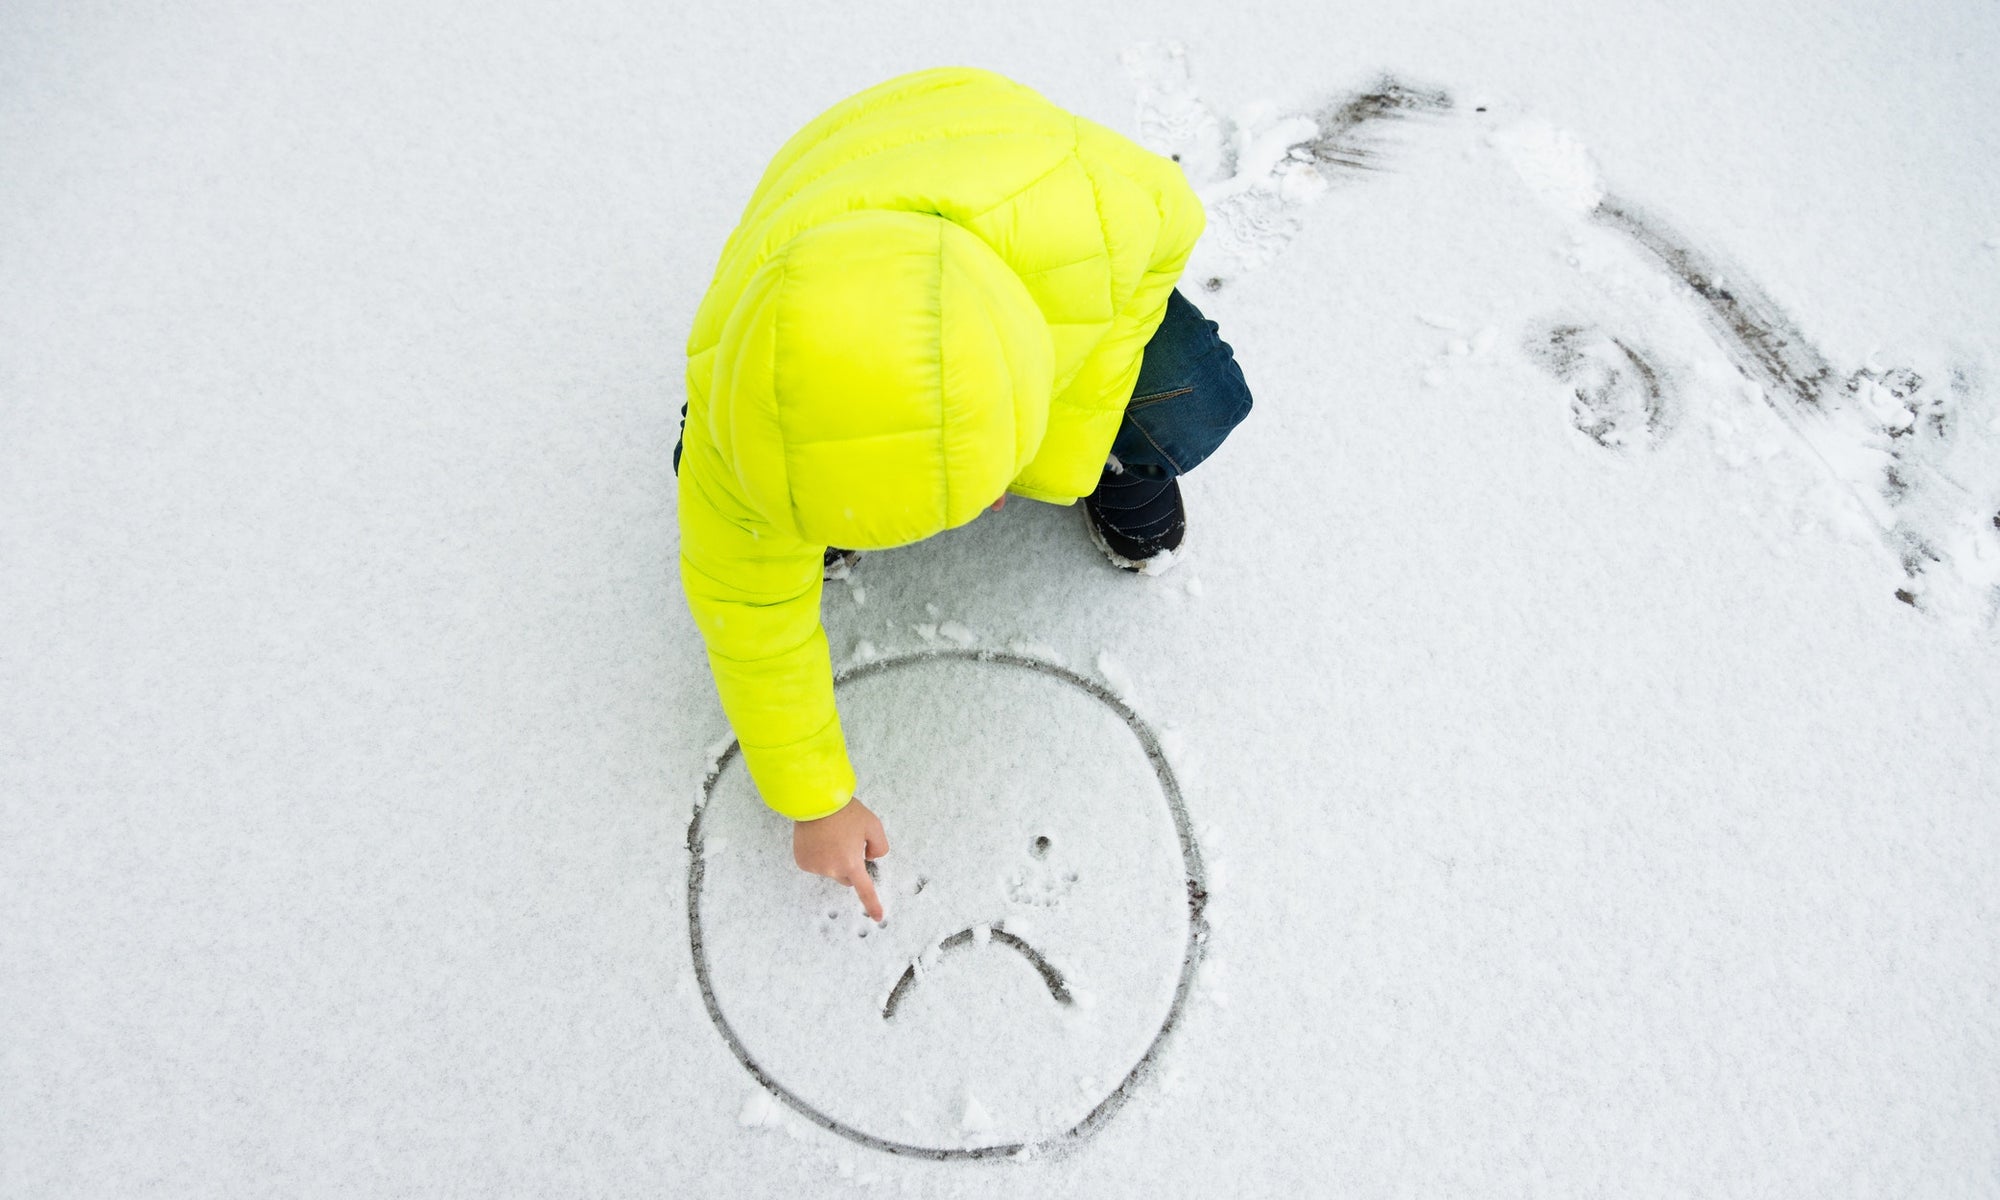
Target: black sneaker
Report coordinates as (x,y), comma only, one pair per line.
(1138,521)
(836,563)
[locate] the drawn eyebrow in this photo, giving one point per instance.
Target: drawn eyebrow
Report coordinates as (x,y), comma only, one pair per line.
(1058,989)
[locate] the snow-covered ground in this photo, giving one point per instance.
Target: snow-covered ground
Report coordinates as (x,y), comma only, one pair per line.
(1574,708)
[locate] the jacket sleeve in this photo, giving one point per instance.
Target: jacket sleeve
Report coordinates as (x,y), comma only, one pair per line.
(755,596)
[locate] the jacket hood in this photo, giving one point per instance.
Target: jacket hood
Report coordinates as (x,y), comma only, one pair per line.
(883,377)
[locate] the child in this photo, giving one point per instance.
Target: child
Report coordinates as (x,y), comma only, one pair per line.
(944,290)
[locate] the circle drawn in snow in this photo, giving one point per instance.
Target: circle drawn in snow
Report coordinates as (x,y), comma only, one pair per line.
(1043,926)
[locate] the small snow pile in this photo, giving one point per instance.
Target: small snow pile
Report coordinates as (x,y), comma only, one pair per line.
(1553,164)
(975,1118)
(1028,648)
(760,1111)
(1114,675)
(1270,157)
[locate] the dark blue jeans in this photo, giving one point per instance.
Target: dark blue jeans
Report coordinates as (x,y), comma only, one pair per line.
(1189,395)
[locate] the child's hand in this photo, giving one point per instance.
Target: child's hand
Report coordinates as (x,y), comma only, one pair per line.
(839,846)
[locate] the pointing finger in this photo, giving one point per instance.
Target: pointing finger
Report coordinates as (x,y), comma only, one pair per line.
(864,887)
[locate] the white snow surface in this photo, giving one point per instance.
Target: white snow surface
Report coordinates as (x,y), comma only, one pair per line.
(1584,812)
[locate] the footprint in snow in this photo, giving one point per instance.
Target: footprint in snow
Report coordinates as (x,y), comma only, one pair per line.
(1619,398)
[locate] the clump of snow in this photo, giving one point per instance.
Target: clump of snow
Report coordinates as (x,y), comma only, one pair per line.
(973,1117)
(1114,675)
(1264,158)
(1553,163)
(1028,648)
(958,634)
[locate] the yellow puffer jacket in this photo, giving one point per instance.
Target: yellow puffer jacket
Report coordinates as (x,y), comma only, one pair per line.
(939,292)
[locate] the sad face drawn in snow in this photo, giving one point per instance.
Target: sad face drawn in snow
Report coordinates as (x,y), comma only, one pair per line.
(1043,923)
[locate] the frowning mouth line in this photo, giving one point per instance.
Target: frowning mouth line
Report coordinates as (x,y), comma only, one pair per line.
(1058,989)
